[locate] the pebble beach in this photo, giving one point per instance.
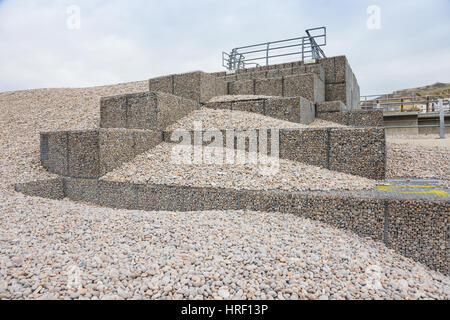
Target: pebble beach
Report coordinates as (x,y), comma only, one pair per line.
(64,250)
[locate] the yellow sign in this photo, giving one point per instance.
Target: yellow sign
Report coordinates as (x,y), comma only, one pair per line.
(439,193)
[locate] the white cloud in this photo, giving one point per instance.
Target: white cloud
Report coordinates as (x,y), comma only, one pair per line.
(137,39)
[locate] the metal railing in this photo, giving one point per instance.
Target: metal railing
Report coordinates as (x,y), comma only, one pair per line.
(308,47)
(426,104)
(428,107)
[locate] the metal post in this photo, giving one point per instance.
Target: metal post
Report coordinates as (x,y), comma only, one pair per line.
(267,54)
(442,118)
(303,49)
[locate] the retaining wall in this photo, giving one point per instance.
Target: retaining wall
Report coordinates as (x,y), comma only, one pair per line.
(71,153)
(198,86)
(145,110)
(356,151)
(337,112)
(298,109)
(272,71)
(91,154)
(308,86)
(418,229)
(339,80)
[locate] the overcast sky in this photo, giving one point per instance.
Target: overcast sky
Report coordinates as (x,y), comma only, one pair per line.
(130,40)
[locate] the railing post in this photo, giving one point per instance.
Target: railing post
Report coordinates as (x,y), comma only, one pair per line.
(442,118)
(428,104)
(267,54)
(303,49)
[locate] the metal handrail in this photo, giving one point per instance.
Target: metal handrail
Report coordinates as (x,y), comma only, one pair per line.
(310,47)
(385,102)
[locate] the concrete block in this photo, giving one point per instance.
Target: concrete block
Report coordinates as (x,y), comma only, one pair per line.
(49,189)
(299,110)
(221,87)
(330,107)
(146,110)
(365,217)
(145,140)
(261,201)
(54,152)
(316,69)
(256,106)
(203,199)
(297,204)
(85,190)
(197,86)
(360,152)
(243,87)
(83,155)
(160,198)
(308,86)
(116,148)
(117,195)
(269,87)
(420,230)
(162,84)
(341,69)
(142,110)
(308,146)
(328,67)
(171,109)
(365,118)
(113,112)
(336,92)
(355,118)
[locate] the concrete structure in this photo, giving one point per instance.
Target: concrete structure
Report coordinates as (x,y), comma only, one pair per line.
(296,109)
(91,154)
(360,152)
(337,112)
(146,110)
(414,123)
(333,74)
(416,227)
(197,86)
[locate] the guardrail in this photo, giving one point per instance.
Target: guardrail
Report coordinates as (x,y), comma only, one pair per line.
(426,105)
(439,107)
(308,47)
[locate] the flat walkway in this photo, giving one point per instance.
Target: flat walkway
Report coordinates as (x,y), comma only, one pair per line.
(425,142)
(409,188)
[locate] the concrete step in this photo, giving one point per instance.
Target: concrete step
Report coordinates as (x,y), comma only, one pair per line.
(413,225)
(298,109)
(145,110)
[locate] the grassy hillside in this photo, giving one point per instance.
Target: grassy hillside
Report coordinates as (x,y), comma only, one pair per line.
(437,90)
